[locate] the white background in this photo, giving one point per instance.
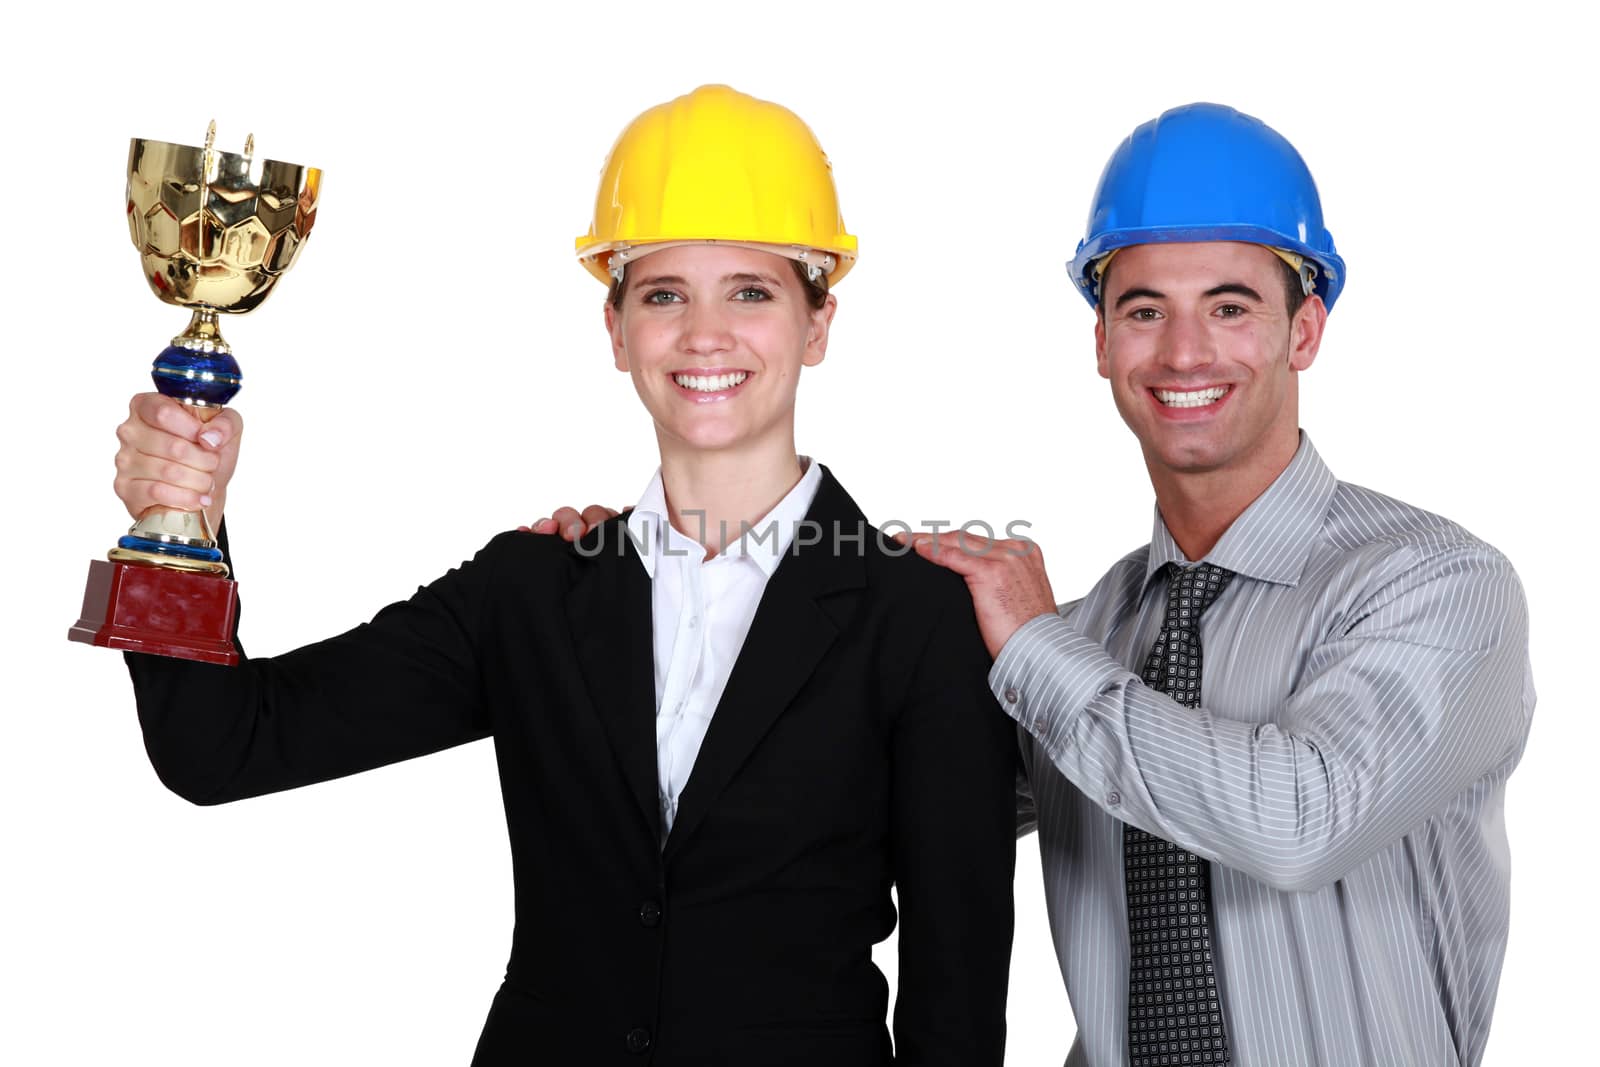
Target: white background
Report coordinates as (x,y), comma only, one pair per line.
(433,371)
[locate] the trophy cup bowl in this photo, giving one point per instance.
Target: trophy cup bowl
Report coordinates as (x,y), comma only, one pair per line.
(215,231)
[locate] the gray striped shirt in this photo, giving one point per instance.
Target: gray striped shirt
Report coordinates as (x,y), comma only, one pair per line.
(1366,693)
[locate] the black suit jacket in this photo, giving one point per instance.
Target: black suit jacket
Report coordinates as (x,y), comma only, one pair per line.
(855,747)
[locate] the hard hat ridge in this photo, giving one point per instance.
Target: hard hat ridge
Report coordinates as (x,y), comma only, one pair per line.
(717,165)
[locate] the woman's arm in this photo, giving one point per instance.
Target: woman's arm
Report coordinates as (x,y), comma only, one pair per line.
(400,686)
(953,828)
(403,685)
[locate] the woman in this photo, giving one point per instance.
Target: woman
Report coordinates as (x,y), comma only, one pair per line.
(725,724)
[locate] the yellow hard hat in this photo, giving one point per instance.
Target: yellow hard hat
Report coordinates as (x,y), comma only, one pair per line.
(717,165)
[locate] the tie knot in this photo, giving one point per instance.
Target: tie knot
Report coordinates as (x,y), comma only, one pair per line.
(1192,591)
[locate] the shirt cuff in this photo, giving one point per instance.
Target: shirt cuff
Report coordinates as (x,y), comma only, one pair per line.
(1046,674)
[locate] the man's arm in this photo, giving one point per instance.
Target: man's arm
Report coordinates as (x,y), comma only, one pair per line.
(1390,719)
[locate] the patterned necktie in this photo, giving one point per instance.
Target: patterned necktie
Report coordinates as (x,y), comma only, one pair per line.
(1174,1015)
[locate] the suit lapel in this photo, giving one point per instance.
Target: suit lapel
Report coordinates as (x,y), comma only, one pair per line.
(800,615)
(609,611)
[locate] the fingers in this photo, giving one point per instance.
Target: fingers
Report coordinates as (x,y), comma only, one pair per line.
(156,441)
(1007,579)
(163,414)
(140,494)
(223,431)
(562,525)
(947,550)
(168,456)
(134,465)
(155,415)
(143,479)
(970,553)
(570,524)
(595,514)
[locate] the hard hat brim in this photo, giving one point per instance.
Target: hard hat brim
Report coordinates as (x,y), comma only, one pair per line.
(594,254)
(1330,267)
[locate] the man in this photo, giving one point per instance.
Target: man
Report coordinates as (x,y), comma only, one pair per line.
(1269,749)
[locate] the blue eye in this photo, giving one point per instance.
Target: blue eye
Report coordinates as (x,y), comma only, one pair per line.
(662,296)
(752,293)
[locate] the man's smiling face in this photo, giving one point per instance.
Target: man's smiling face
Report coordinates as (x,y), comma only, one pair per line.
(1203,357)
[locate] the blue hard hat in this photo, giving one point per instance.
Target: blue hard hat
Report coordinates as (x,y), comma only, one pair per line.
(1204,172)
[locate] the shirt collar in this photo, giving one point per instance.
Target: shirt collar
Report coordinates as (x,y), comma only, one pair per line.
(764,543)
(1272,539)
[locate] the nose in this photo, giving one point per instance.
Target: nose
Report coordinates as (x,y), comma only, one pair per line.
(1186,342)
(707,329)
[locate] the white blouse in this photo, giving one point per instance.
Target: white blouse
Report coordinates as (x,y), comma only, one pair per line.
(701,610)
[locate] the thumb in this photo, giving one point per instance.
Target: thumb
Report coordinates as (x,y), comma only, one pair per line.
(223,428)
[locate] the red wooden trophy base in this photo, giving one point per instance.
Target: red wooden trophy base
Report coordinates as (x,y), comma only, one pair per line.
(142,608)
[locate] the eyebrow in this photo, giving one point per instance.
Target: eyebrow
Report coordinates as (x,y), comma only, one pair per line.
(1139,294)
(1225,289)
(1235,289)
(743,277)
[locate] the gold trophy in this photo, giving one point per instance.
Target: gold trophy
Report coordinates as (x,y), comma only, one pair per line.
(215,232)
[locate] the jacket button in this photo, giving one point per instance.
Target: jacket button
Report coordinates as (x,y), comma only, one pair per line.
(650,913)
(638,1039)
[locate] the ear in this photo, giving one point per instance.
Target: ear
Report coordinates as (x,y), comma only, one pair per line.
(619,351)
(1305,332)
(1101,363)
(821,320)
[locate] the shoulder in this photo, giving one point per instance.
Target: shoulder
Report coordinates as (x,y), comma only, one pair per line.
(895,572)
(1401,536)
(836,526)
(519,553)
(923,630)
(1359,517)
(525,546)
(903,599)
(1409,565)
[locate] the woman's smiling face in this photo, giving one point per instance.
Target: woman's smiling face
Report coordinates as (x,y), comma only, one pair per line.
(714,337)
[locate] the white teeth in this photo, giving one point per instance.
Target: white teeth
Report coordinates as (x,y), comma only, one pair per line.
(1198,398)
(713,383)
